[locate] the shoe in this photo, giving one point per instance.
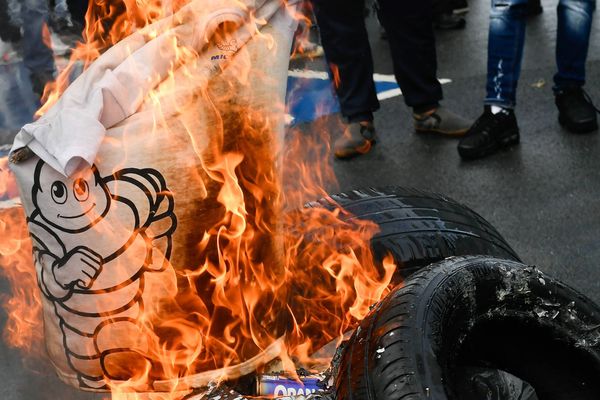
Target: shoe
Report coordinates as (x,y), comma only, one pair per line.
(534,7)
(448,21)
(39,80)
(575,110)
(9,32)
(460,7)
(59,47)
(308,50)
(441,121)
(490,133)
(358,138)
(65,26)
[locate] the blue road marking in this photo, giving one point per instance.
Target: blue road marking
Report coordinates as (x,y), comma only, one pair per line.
(310,94)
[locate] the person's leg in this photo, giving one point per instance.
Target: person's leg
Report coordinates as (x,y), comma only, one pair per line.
(37,53)
(9,32)
(348,53)
(412,42)
(534,7)
(505,51)
(572,41)
(576,112)
(346,44)
(410,32)
(497,127)
(304,44)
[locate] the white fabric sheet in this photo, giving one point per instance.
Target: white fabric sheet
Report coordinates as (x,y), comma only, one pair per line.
(69,135)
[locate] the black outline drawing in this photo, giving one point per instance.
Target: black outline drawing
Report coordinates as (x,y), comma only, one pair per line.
(89,264)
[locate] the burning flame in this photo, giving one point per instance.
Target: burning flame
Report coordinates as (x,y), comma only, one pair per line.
(23,305)
(273,278)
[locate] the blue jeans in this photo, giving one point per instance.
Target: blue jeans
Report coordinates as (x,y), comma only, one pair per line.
(32,15)
(507,38)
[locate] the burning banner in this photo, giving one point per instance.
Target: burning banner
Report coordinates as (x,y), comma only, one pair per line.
(167,253)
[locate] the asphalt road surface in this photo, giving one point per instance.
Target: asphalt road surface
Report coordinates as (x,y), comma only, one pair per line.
(543,196)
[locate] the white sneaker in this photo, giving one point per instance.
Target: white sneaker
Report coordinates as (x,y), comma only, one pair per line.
(59,47)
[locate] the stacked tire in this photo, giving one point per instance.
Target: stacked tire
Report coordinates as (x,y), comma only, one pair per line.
(478,324)
(419,228)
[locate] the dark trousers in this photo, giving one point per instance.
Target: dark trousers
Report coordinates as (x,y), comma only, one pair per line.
(8,33)
(442,6)
(409,27)
(78,8)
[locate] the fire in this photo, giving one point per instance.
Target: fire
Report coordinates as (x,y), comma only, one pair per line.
(271,278)
(8,185)
(23,305)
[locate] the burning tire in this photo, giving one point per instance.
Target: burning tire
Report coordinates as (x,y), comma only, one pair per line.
(419,228)
(469,313)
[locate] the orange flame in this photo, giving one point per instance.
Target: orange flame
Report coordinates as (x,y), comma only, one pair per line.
(335,71)
(302,41)
(23,304)
(272,277)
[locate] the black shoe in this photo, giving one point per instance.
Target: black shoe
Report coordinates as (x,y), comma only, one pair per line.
(447,21)
(65,26)
(9,32)
(490,133)
(39,80)
(575,110)
(534,7)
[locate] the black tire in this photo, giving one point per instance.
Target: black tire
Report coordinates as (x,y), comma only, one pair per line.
(474,312)
(419,228)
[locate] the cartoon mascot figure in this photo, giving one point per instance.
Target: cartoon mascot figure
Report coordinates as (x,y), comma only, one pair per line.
(102,247)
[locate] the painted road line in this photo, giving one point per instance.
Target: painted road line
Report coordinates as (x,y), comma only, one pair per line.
(308,74)
(310,95)
(388,94)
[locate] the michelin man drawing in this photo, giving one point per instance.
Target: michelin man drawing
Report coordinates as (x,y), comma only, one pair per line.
(102,247)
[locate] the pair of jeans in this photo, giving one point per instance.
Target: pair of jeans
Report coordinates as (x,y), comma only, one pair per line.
(507,38)
(409,27)
(33,16)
